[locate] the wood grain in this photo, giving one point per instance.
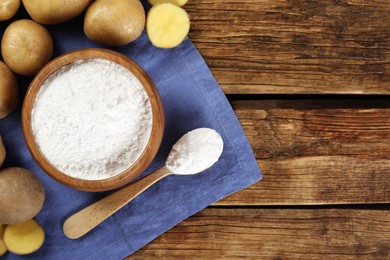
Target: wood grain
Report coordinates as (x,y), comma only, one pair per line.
(312,151)
(317,151)
(276,234)
(295,46)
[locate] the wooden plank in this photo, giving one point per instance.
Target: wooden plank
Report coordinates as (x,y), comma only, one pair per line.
(317,151)
(276,234)
(295,46)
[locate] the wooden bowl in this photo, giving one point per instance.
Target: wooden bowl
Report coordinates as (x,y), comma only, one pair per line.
(157,118)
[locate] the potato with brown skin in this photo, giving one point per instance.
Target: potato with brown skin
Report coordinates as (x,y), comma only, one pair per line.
(9,91)
(2,152)
(8,9)
(21,197)
(114,23)
(26,47)
(54,11)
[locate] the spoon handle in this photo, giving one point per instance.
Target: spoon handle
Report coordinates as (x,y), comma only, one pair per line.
(88,218)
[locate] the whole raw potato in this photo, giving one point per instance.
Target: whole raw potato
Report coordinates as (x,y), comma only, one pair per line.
(8,9)
(2,152)
(54,11)
(9,91)
(26,47)
(114,23)
(21,197)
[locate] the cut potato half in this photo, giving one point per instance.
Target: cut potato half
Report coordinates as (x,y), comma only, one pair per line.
(25,238)
(175,2)
(3,249)
(167,25)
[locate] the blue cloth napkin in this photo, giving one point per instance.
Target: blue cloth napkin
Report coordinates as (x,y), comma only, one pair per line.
(192,98)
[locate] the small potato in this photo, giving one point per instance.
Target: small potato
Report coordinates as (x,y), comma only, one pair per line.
(9,92)
(175,2)
(3,248)
(114,23)
(54,11)
(24,238)
(26,47)
(2,152)
(167,25)
(8,9)
(21,197)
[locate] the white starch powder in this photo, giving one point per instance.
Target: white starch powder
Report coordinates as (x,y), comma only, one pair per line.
(92,119)
(195,151)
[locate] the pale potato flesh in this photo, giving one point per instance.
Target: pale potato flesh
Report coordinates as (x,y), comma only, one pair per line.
(167,25)
(9,92)
(3,248)
(25,238)
(54,11)
(8,9)
(175,2)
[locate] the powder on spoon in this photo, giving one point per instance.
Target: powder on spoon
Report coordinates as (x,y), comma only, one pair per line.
(92,119)
(195,151)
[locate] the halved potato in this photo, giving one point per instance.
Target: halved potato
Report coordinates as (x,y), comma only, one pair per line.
(167,25)
(3,248)
(175,2)
(25,238)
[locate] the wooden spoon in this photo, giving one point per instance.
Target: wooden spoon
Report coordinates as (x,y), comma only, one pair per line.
(202,138)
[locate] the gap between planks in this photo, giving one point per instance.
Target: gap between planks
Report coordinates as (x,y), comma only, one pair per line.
(317,152)
(275,234)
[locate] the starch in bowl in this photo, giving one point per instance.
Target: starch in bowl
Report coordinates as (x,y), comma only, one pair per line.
(93,119)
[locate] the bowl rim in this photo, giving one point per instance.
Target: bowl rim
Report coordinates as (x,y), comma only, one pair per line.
(143,160)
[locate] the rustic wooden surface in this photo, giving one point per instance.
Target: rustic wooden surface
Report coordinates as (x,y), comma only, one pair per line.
(295,46)
(276,233)
(325,158)
(331,151)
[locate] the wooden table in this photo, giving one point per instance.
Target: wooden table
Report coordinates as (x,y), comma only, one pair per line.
(309,81)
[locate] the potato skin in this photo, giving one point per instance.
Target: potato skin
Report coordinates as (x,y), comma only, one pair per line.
(114,23)
(26,47)
(21,197)
(8,9)
(54,11)
(9,92)
(2,152)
